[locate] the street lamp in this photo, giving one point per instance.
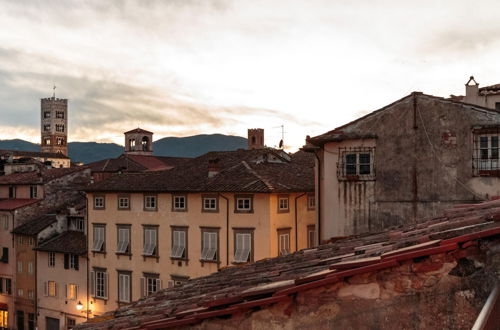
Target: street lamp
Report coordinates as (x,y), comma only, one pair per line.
(79,306)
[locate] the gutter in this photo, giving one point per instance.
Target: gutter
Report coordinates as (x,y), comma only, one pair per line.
(296,222)
(487,318)
(227,228)
(318,200)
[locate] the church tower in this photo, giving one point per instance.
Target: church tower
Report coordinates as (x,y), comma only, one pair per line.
(139,142)
(54,125)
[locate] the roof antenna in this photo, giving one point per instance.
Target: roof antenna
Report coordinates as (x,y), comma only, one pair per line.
(54,92)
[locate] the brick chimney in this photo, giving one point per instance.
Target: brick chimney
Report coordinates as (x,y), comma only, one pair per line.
(213,167)
(255,138)
(471,91)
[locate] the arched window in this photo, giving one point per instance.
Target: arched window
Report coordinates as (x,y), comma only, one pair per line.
(131,143)
(145,143)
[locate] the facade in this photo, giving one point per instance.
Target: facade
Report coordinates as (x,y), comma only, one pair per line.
(488,96)
(154,230)
(54,125)
(15,161)
(404,162)
(439,274)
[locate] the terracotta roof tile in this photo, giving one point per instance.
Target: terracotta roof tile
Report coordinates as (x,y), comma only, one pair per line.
(16,203)
(38,177)
(74,242)
(138,130)
(35,226)
(234,289)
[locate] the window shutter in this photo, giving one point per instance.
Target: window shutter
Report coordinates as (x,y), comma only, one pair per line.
(106,285)
(158,284)
(143,287)
(66,289)
(45,289)
(92,283)
(76,292)
(66,261)
(77,266)
(55,288)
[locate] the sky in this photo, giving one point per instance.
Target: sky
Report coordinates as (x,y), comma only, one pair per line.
(186,67)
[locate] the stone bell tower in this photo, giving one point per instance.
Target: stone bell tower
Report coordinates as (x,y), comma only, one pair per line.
(255,138)
(54,125)
(139,142)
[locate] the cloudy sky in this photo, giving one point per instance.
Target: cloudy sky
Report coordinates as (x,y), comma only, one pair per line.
(184,67)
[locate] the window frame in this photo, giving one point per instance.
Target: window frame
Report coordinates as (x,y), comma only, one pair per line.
(120,274)
(155,252)
(126,228)
(238,197)
(214,197)
(283,197)
(205,249)
(176,208)
(184,255)
(311,230)
(284,236)
(33,191)
(121,197)
(486,166)
(51,259)
(12,192)
(94,279)
(68,290)
(239,231)
(96,198)
(51,290)
(150,197)
(148,280)
(343,172)
(311,206)
(103,244)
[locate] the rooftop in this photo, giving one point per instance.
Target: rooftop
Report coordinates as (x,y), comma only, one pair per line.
(37,177)
(74,242)
(33,154)
(16,203)
(258,170)
(455,234)
(35,226)
(136,163)
(138,130)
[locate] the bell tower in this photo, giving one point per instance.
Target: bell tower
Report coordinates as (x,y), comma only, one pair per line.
(139,142)
(255,138)
(54,125)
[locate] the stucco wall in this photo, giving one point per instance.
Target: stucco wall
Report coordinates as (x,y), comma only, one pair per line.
(7,269)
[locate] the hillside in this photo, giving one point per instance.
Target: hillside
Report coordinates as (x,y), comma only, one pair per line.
(190,146)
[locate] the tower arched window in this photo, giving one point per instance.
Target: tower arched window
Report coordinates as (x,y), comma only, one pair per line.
(145,143)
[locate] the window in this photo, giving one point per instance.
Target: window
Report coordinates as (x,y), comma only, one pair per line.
(20,320)
(31,294)
(486,155)
(52,259)
(210,203)
(8,286)
(243,245)
(71,261)
(60,141)
(71,323)
(51,289)
(98,244)
(46,127)
(283,202)
(123,202)
(124,286)
(5,255)
(77,224)
(31,321)
(12,192)
(177,280)
(123,242)
(33,191)
(30,267)
(20,240)
(46,141)
(20,292)
(283,241)
(179,203)
(59,128)
(150,241)
(46,114)
(5,222)
(150,203)
(99,283)
(150,284)
(60,114)
(243,204)
(311,202)
(19,266)
(311,236)
(209,244)
(99,202)
(31,241)
(71,291)
(179,242)
(356,164)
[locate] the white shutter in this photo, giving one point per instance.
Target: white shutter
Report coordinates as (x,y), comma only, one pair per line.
(66,289)
(143,287)
(106,283)
(158,284)
(92,283)
(126,288)
(45,289)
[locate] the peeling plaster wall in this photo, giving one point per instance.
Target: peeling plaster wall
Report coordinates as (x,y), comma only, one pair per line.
(423,164)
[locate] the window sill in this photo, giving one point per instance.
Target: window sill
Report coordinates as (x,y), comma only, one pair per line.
(123,253)
(494,173)
(243,211)
(205,261)
(151,257)
(150,210)
(179,210)
(124,209)
(238,263)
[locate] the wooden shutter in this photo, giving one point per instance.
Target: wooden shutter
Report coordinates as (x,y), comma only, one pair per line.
(92,283)
(66,288)
(158,284)
(106,284)
(77,262)
(45,289)
(143,287)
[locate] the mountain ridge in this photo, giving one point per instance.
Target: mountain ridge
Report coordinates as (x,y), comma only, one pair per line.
(189,146)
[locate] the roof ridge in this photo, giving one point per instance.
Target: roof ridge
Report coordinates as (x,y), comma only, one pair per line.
(258,176)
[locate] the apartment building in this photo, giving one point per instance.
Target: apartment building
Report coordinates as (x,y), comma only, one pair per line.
(158,229)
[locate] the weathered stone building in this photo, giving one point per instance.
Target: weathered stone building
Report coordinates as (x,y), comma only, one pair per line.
(407,161)
(54,125)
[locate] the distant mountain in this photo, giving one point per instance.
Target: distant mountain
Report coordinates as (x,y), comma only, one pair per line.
(190,146)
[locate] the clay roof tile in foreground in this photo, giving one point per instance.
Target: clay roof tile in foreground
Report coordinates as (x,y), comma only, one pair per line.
(266,282)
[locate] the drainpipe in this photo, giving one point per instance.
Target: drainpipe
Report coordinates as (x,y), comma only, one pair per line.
(296,222)
(87,308)
(318,199)
(227,228)
(487,317)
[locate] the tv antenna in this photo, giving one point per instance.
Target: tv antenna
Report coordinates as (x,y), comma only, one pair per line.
(54,91)
(282,141)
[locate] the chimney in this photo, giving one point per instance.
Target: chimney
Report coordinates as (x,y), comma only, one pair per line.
(471,91)
(255,138)
(213,167)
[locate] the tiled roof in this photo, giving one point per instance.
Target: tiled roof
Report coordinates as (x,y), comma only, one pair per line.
(136,163)
(114,165)
(33,154)
(342,133)
(16,203)
(36,225)
(259,284)
(490,90)
(157,163)
(74,242)
(138,130)
(37,177)
(259,170)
